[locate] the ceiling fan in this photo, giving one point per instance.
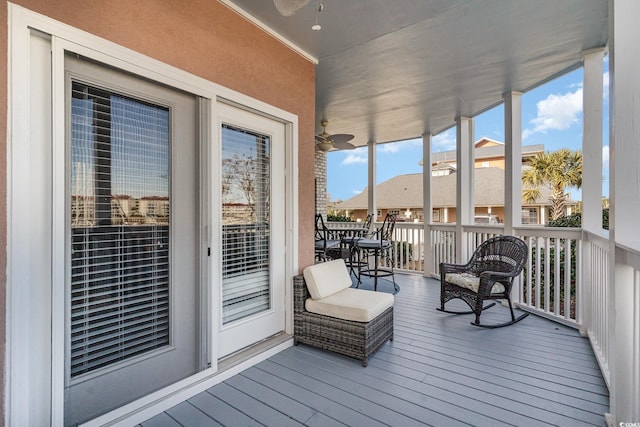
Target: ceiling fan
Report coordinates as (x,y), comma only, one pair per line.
(326,142)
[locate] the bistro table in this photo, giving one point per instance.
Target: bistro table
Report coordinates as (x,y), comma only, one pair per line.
(348,250)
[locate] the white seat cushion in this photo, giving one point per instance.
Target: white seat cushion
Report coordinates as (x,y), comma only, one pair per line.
(356,305)
(471,282)
(326,278)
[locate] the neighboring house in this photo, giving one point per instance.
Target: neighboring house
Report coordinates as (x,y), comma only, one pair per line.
(402,195)
(488,153)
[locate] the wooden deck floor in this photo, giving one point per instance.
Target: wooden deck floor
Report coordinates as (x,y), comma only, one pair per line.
(439,371)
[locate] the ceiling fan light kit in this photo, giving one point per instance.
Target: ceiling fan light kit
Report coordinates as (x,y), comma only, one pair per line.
(324,145)
(317,26)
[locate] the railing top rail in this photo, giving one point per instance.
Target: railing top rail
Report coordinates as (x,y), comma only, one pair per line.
(344,224)
(443,227)
(599,239)
(628,254)
(484,228)
(410,225)
(557,232)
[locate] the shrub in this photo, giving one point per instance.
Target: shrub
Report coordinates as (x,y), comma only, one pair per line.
(339,218)
(575,220)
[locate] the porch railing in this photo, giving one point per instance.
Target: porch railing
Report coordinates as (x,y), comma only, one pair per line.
(596,298)
(552,283)
(626,354)
(566,278)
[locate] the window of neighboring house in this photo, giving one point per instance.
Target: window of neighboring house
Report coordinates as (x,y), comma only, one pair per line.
(436,215)
(529,216)
(395,212)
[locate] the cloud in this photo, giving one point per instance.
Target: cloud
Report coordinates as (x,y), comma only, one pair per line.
(444,141)
(353,159)
(556,112)
(394,147)
(359,155)
(605,156)
(605,86)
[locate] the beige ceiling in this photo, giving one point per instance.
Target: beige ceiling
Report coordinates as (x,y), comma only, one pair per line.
(390,70)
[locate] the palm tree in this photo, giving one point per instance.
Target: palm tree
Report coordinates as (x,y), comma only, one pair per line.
(560,169)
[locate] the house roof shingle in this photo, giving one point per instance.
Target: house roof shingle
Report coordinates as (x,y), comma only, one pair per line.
(405,191)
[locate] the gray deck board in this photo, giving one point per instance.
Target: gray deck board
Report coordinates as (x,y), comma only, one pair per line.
(161,420)
(272,398)
(187,414)
(439,370)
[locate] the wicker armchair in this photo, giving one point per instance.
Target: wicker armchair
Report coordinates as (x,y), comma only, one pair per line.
(350,338)
(488,275)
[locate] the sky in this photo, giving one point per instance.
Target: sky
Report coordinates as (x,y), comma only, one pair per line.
(551,115)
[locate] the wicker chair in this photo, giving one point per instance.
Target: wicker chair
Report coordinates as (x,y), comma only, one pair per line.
(350,338)
(488,275)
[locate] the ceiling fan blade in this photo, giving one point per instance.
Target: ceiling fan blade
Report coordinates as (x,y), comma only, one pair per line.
(321,138)
(289,7)
(341,137)
(343,145)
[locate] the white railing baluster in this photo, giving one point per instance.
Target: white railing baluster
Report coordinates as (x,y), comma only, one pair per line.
(567,279)
(538,275)
(529,271)
(556,279)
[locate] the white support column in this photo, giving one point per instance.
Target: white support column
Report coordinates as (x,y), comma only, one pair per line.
(427,205)
(371,193)
(464,181)
(513,170)
(513,162)
(592,141)
(624,134)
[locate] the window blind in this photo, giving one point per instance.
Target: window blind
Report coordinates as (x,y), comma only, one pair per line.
(246,226)
(119,304)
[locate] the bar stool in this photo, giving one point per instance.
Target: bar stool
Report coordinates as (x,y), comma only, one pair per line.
(381,247)
(349,240)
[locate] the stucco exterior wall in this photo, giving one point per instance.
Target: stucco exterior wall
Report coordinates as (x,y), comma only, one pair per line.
(206,39)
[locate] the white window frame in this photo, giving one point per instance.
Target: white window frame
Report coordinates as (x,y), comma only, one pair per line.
(29,404)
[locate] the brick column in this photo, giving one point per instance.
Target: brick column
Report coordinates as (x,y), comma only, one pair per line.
(321,183)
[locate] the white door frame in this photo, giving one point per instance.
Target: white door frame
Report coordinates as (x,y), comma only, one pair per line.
(35,397)
(271,321)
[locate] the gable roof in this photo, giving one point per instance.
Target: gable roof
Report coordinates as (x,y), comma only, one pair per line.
(405,191)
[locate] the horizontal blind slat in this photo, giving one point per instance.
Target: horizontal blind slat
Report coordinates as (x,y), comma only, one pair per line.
(119,301)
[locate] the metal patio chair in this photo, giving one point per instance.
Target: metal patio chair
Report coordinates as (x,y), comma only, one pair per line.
(323,241)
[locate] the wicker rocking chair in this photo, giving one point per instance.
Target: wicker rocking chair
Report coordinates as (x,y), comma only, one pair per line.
(488,275)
